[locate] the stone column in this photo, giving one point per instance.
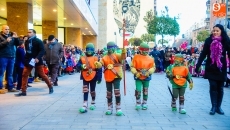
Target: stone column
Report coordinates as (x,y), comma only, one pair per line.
(89,39)
(49,28)
(73,36)
(19,17)
(102,24)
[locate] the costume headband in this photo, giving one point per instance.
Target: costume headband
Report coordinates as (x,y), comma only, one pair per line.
(89,49)
(111,46)
(179,58)
(143,49)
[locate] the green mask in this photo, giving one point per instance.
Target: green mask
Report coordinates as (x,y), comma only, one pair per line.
(89,53)
(178,61)
(110,51)
(144,53)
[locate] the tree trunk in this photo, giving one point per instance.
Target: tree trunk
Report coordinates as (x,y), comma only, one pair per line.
(162,40)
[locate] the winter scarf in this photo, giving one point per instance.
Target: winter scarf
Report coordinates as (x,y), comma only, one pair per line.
(216,51)
(51,45)
(30,44)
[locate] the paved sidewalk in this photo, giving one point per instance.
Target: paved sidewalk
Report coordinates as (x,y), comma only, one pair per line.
(42,111)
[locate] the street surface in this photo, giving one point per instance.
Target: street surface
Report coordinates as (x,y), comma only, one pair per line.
(59,111)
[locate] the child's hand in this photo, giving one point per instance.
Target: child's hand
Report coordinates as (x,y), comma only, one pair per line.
(137,75)
(191,86)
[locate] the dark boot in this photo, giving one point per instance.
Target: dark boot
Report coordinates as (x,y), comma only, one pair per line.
(213,97)
(55,83)
(51,90)
(219,101)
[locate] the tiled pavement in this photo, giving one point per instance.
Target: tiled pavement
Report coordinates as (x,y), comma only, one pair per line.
(41,111)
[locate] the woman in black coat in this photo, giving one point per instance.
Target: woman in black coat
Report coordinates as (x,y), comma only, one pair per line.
(215,48)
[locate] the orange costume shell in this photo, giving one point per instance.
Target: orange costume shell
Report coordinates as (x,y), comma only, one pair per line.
(142,63)
(180,74)
(90,72)
(109,74)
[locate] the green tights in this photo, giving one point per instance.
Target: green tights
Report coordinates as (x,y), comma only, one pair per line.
(139,84)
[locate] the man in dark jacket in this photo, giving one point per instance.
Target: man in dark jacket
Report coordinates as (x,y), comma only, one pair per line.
(157,58)
(53,54)
(34,52)
(8,41)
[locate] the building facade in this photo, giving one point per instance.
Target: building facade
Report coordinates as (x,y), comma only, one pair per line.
(193,31)
(73,22)
(110,18)
(212,20)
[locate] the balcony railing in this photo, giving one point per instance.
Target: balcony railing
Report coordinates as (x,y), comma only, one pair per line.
(207,19)
(208,2)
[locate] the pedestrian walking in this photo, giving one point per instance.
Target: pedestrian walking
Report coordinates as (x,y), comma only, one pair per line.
(215,48)
(53,54)
(33,58)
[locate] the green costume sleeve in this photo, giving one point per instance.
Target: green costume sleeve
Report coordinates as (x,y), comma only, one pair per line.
(169,71)
(169,74)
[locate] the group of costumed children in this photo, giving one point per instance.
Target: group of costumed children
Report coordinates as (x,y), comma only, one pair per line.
(142,67)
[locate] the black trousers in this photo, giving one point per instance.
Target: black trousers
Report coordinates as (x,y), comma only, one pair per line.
(216,92)
(92,86)
(216,86)
(53,70)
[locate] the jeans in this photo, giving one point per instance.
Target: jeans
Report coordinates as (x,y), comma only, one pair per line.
(7,64)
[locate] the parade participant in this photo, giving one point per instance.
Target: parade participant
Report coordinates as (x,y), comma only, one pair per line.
(142,67)
(91,74)
(215,48)
(178,75)
(112,63)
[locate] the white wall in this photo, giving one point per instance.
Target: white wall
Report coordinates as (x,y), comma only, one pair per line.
(61,35)
(94,8)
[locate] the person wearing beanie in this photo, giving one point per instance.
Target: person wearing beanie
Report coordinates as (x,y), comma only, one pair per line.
(91,74)
(142,67)
(178,75)
(53,54)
